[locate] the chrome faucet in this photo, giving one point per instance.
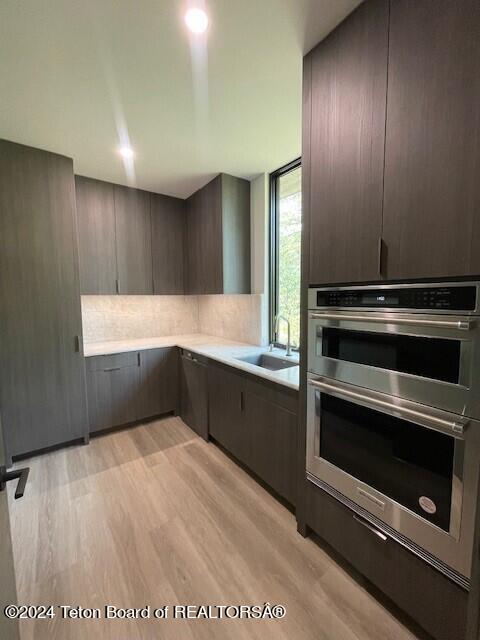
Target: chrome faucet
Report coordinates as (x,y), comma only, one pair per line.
(279,317)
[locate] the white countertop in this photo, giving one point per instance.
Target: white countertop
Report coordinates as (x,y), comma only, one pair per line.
(220,349)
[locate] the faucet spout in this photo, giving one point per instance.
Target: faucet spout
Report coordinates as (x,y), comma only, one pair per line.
(279,317)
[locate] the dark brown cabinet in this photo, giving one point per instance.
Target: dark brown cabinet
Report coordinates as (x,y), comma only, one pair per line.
(130,241)
(168,239)
(390,174)
(96,236)
(346,84)
(435,602)
(217,248)
(42,369)
(136,242)
(431,222)
(131,386)
(256,421)
(113,384)
(274,436)
(203,255)
(133,235)
(158,381)
(194,393)
(226,393)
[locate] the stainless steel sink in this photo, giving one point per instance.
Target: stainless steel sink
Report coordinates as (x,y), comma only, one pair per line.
(266,361)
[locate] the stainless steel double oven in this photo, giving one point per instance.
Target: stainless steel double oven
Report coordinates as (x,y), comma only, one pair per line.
(393,425)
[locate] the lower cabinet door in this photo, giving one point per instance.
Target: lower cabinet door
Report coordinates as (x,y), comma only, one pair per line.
(227,423)
(113,397)
(194,395)
(158,392)
(273,454)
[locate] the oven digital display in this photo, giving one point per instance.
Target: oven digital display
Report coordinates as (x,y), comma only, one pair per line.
(381,299)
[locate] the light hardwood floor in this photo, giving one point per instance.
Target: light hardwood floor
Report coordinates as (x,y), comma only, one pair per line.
(155,515)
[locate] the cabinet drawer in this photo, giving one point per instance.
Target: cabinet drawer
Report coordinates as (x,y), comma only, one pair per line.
(113,361)
(434,601)
(274,393)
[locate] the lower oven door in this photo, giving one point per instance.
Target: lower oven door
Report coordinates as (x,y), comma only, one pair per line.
(409,466)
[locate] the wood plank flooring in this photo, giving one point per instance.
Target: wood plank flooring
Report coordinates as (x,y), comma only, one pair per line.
(153,515)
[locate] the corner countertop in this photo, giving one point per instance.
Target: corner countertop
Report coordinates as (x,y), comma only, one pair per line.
(220,349)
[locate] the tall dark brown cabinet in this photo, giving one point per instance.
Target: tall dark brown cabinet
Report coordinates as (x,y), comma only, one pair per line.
(393,157)
(431,215)
(348,79)
(42,369)
(390,166)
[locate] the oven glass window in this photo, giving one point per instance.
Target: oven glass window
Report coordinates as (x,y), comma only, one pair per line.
(408,463)
(435,358)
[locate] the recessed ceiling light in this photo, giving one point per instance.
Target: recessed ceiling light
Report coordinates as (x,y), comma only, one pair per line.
(126,152)
(196,20)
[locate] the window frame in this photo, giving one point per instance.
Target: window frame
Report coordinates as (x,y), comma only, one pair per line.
(273,247)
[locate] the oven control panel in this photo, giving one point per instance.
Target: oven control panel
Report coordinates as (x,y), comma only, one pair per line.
(458,298)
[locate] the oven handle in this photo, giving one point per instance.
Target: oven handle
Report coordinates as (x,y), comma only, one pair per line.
(449,425)
(465,325)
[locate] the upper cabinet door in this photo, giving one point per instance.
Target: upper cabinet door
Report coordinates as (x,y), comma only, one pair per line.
(348,103)
(168,236)
(193,242)
(96,234)
(204,240)
(212,243)
(134,241)
(432,161)
(217,255)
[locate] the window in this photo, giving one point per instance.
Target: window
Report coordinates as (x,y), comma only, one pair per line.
(286,222)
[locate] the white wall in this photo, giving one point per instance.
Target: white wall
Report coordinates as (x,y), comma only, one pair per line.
(259,230)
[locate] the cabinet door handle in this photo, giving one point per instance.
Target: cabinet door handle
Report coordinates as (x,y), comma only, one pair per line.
(77,344)
(380,251)
(20,474)
(117,285)
(462,325)
(113,369)
(242,402)
(368,526)
(456,426)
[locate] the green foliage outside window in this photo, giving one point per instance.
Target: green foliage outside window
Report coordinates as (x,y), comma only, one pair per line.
(289,212)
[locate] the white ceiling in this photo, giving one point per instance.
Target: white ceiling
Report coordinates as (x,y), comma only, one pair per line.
(80,76)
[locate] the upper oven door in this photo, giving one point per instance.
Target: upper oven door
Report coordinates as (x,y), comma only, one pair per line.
(424,358)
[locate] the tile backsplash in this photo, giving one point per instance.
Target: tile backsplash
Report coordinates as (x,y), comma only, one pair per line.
(235,317)
(128,317)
